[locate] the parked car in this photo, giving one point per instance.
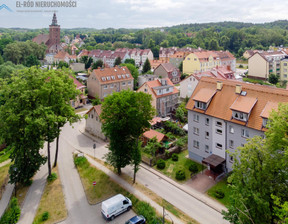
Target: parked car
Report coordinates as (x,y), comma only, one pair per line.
(114,206)
(138,219)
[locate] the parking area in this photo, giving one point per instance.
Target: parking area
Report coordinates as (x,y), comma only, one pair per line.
(121,219)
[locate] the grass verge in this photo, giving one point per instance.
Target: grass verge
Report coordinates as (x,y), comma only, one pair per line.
(169,207)
(183,162)
(5,156)
(52,205)
(221,186)
(106,187)
(4,177)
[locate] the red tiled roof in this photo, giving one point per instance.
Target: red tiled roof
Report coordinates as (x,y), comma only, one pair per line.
(97,108)
(78,84)
(157,83)
(152,133)
(41,38)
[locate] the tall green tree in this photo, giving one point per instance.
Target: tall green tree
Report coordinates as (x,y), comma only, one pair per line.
(97,64)
(130,61)
(118,61)
(21,120)
(260,174)
(31,60)
(146,66)
(119,111)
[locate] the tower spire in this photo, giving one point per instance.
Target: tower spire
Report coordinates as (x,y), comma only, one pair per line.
(54,20)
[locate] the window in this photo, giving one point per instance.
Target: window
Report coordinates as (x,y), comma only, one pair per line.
(200,105)
(92,116)
(196,131)
(129,83)
(105,87)
(111,86)
(195,59)
(96,118)
(231,159)
(285,75)
(207,121)
(167,89)
(207,148)
(145,90)
(240,116)
(285,64)
(218,145)
(103,79)
(123,83)
(206,134)
(196,144)
(245,133)
(108,78)
(119,76)
(264,123)
(231,129)
(218,123)
(231,144)
(196,117)
(219,131)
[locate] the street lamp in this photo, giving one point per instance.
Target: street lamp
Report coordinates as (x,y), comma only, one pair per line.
(15,170)
(94,147)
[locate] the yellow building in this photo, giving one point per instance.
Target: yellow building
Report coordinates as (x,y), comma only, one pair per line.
(284,69)
(200,62)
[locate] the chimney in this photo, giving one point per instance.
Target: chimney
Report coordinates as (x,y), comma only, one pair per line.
(238,89)
(219,85)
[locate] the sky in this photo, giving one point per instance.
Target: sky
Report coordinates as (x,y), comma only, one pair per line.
(101,14)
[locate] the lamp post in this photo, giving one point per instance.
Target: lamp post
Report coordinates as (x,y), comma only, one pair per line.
(94,147)
(15,170)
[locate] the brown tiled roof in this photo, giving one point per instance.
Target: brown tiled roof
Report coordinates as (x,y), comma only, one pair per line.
(78,84)
(157,83)
(220,104)
(244,104)
(104,75)
(167,66)
(97,108)
(268,109)
(41,38)
(61,55)
(152,133)
(205,95)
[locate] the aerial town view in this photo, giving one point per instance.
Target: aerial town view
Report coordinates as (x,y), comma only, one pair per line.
(133,112)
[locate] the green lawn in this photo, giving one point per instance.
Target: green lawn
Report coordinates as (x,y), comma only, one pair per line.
(171,166)
(223,186)
(3,176)
(5,156)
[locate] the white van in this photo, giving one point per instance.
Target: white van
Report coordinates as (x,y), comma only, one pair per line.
(114,206)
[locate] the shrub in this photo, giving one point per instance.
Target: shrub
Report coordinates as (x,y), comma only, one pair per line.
(146,210)
(12,214)
(241,66)
(45,216)
(80,161)
(160,164)
(219,194)
(52,177)
(193,168)
(180,174)
(175,157)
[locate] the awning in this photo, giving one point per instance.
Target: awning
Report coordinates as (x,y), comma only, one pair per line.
(213,160)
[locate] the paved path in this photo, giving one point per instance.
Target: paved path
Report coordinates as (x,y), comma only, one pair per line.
(5,162)
(34,194)
(193,203)
(6,198)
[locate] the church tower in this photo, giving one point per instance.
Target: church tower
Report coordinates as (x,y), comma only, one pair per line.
(54,33)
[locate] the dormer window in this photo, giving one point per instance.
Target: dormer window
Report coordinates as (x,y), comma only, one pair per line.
(264,122)
(239,116)
(200,105)
(242,107)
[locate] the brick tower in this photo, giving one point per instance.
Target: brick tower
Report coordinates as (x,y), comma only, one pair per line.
(54,33)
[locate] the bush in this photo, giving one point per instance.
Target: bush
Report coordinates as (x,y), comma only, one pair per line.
(12,214)
(52,177)
(180,174)
(219,194)
(160,164)
(193,168)
(45,216)
(175,157)
(241,66)
(80,161)
(146,210)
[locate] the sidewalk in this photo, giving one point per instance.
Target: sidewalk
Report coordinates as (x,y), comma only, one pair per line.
(132,190)
(6,198)
(199,196)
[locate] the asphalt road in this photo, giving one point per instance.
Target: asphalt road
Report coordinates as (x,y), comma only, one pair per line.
(71,137)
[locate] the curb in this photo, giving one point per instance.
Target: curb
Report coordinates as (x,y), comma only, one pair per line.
(179,187)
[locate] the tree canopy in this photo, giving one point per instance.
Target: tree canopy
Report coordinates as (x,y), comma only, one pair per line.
(260,174)
(125,116)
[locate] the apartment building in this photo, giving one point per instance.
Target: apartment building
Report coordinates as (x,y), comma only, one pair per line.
(103,82)
(164,95)
(284,69)
(206,60)
(223,114)
(262,64)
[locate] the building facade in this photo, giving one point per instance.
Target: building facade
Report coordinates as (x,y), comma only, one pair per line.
(103,82)
(93,122)
(164,95)
(167,70)
(223,114)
